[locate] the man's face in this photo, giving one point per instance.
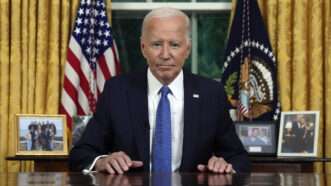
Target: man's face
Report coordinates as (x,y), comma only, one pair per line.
(255,132)
(301,119)
(165,46)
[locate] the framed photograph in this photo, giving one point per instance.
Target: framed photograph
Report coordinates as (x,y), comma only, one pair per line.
(79,124)
(298,134)
(258,138)
(41,135)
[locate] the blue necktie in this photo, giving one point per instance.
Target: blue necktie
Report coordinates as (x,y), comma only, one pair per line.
(161,149)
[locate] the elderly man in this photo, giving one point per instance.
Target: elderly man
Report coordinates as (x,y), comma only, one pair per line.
(162,119)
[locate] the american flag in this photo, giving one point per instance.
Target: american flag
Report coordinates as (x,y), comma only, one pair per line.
(92,58)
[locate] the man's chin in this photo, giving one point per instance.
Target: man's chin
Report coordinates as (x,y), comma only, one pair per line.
(167,77)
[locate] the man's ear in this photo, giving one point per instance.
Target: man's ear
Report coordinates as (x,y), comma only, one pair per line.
(189,47)
(142,47)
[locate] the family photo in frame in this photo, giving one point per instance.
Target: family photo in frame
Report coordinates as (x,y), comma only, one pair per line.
(41,135)
(298,134)
(257,137)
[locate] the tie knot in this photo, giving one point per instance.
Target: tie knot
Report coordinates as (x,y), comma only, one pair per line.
(165,90)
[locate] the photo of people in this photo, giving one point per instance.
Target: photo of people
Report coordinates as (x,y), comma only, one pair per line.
(253,137)
(257,138)
(298,134)
(40,134)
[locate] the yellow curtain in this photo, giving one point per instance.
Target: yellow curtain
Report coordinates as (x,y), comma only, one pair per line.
(33,44)
(300,34)
(327,71)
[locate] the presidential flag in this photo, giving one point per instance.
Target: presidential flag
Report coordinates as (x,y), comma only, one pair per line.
(92,58)
(249,73)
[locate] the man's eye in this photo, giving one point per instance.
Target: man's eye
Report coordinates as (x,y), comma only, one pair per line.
(175,45)
(156,45)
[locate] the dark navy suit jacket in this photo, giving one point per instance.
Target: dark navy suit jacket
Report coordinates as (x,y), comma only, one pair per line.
(121,124)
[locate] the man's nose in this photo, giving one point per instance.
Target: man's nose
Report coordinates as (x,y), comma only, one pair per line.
(165,52)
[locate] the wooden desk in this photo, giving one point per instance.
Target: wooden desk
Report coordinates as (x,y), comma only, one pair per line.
(285,164)
(45,163)
(176,179)
(259,164)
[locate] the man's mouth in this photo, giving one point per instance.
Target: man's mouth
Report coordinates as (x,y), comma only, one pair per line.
(165,67)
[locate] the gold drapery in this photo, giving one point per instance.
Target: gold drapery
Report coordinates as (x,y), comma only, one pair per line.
(33,44)
(300,34)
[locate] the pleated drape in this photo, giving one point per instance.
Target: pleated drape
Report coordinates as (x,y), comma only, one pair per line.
(299,31)
(327,72)
(4,81)
(33,44)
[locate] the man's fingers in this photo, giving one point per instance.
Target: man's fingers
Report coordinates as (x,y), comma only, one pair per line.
(218,167)
(116,166)
(117,162)
(126,158)
(109,169)
(122,163)
(211,163)
(136,164)
(229,169)
(202,167)
(222,168)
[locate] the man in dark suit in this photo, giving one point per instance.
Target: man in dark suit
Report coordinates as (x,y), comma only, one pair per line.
(254,138)
(299,129)
(203,137)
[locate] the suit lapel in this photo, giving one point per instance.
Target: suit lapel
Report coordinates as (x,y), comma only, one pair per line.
(137,96)
(191,120)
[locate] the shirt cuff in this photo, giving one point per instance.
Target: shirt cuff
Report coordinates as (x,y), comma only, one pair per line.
(91,167)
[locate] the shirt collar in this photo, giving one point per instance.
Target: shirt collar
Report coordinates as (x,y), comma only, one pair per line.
(176,86)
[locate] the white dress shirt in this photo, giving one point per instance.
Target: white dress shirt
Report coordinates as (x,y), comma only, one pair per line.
(176,99)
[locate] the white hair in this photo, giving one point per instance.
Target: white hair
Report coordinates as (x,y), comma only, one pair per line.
(165,12)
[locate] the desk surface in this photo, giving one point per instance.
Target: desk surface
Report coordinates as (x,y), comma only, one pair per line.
(259,164)
(175,179)
(256,159)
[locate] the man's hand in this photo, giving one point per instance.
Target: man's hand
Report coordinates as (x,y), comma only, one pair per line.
(216,165)
(116,163)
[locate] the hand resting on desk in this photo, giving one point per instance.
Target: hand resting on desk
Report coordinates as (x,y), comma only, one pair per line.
(119,162)
(116,163)
(216,165)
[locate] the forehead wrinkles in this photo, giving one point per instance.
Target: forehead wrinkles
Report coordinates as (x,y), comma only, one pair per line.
(174,24)
(171,31)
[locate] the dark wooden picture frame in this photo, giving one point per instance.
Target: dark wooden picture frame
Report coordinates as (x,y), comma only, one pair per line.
(258,138)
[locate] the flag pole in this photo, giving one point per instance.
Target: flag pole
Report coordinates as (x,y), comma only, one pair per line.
(250,116)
